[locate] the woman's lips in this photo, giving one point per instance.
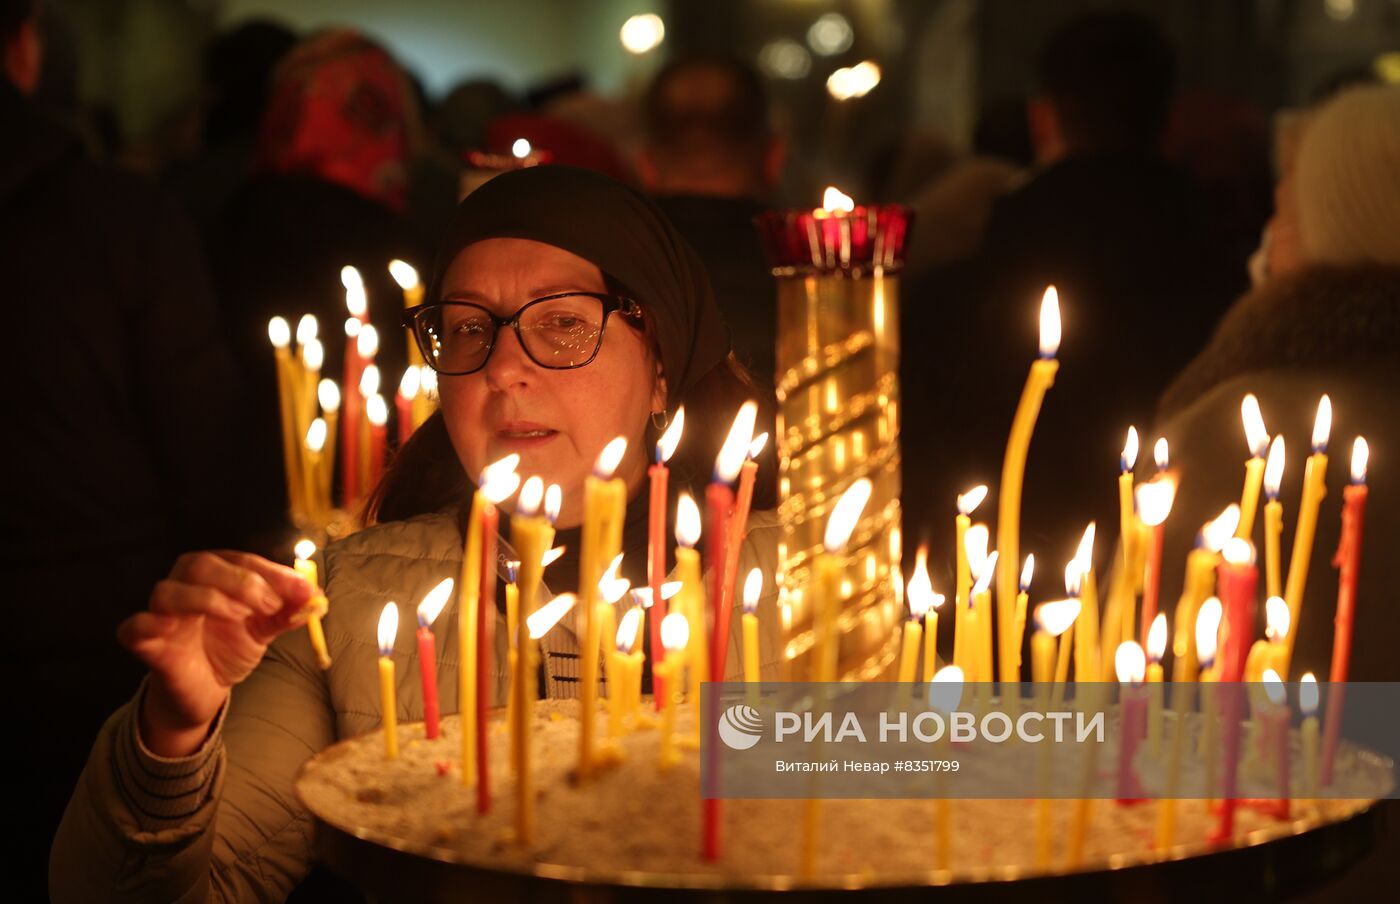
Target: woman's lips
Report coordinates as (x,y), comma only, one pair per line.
(524,434)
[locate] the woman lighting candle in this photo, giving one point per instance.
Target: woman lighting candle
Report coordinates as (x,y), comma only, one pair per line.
(1273,519)
(428,611)
(658,475)
(1257,438)
(1314,488)
(1040,379)
(388,712)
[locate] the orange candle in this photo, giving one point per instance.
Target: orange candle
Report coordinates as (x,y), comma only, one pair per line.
(1348,560)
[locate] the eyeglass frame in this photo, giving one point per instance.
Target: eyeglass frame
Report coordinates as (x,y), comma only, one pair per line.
(612,304)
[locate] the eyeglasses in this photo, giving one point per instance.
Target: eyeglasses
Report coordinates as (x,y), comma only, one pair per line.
(558,332)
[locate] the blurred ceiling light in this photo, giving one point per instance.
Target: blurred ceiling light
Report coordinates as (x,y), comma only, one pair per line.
(831,34)
(642,33)
(853,81)
(784,58)
(1339,10)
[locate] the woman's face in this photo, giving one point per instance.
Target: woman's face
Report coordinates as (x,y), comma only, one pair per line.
(557,420)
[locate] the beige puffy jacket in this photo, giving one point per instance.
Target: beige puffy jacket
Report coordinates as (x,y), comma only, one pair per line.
(224,823)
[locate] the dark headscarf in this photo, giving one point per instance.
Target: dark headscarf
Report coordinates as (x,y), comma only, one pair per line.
(618,230)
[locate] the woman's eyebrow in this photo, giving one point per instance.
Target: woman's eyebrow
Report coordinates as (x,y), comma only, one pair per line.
(538,292)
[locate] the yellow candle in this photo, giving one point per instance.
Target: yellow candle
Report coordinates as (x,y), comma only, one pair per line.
(369,388)
(753,589)
(280,333)
(981,616)
(1118,615)
(407,277)
(611,589)
(1022,601)
(1273,519)
(328,394)
(1156,647)
(1258,440)
(1204,630)
(1086,633)
(600,490)
(945,699)
(531,534)
(1314,488)
(675,634)
(913,633)
(1307,702)
(1040,379)
(388,631)
(923,599)
(620,678)
(305,566)
(962,589)
(1052,620)
(524,690)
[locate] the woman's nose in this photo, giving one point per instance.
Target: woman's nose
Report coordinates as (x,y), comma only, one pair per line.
(508,366)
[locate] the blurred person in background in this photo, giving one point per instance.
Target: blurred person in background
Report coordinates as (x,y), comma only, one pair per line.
(329,190)
(712,161)
(1124,237)
(124,405)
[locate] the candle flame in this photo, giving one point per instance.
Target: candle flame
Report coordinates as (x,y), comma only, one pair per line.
(349,276)
(1273,468)
(409,382)
(369,380)
(1159,453)
(975,547)
(550,556)
(1074,578)
(367,343)
(388,628)
(512,571)
(736,445)
(304,549)
(670,589)
(687,521)
(1255,434)
(352,327)
(531,495)
(1128,457)
(356,301)
(627,630)
(1129,662)
(920,592)
(753,589)
(1027,572)
(376,410)
(968,502)
(675,632)
(520,148)
(279,332)
(1050,323)
(1273,687)
(542,620)
(946,689)
(836,201)
(307,328)
(553,502)
(313,354)
(1360,455)
(1277,618)
(316,435)
(427,377)
(404,274)
(1084,555)
(1238,551)
(432,604)
(1056,617)
(756,447)
(328,394)
(1208,630)
(1322,426)
(666,446)
(613,586)
(1215,534)
(846,514)
(1307,694)
(610,458)
(1154,499)
(984,578)
(1157,637)
(853,81)
(499,483)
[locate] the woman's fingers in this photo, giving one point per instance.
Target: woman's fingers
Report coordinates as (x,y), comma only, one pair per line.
(172,597)
(229,578)
(285,583)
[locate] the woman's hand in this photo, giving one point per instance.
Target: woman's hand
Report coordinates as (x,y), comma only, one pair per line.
(207,628)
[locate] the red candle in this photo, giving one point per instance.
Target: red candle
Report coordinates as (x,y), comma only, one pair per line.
(1237,582)
(352,408)
(428,611)
(378,415)
(485,620)
(738,527)
(1131,665)
(1348,560)
(656,548)
(1276,720)
(719,502)
(1154,503)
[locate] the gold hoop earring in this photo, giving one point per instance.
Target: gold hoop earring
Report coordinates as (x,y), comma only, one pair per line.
(665,420)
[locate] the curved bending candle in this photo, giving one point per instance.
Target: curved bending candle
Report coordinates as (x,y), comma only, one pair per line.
(305,566)
(1314,488)
(1013,469)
